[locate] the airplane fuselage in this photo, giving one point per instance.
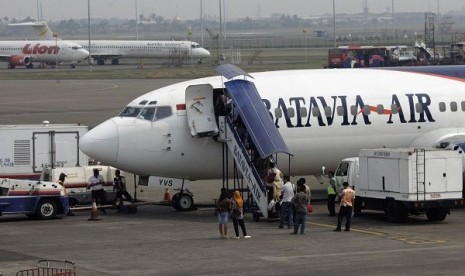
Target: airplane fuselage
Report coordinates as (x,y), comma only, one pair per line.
(144,49)
(326,115)
(43,50)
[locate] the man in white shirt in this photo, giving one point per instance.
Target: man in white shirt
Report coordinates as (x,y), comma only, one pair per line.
(286,205)
(95,184)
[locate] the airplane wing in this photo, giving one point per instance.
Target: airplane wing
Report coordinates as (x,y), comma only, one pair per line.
(5,57)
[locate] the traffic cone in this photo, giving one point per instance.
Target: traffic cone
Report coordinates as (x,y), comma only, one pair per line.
(167,196)
(94,212)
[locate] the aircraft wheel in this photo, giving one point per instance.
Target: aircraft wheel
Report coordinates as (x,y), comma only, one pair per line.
(47,209)
(183,202)
(115,61)
(100,61)
(30,66)
(11,66)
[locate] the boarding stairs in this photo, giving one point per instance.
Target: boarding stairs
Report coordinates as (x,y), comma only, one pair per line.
(251,121)
(243,158)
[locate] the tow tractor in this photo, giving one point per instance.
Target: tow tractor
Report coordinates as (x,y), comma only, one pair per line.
(35,199)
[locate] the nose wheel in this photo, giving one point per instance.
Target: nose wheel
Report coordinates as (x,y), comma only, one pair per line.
(182,201)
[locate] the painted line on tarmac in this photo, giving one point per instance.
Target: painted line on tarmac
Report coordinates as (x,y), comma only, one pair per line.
(358,253)
(401,238)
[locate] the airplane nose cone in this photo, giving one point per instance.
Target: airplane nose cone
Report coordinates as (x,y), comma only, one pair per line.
(205,53)
(101,143)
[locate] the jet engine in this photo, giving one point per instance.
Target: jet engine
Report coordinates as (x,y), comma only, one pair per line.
(20,60)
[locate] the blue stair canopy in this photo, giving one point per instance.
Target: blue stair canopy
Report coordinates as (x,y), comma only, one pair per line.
(256,118)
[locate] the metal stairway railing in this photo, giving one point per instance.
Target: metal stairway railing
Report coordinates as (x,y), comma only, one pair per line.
(256,185)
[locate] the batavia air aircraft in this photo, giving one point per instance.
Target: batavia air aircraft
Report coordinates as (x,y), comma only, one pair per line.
(318,117)
(24,53)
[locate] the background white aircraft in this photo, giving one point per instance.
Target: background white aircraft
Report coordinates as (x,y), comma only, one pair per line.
(322,115)
(101,50)
(24,53)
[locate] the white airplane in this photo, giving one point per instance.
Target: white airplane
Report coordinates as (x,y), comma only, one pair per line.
(322,115)
(24,53)
(101,50)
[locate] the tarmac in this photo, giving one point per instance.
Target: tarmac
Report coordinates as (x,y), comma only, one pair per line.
(160,241)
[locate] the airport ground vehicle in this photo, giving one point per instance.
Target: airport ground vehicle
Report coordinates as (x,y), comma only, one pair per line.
(76,181)
(370,56)
(44,200)
(27,149)
(405,181)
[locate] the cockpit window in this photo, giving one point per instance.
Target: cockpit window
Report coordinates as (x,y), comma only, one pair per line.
(147,113)
(150,113)
(130,111)
(162,112)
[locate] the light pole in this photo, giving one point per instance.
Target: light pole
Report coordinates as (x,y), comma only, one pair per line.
(88,32)
(393,22)
(137,24)
(201,21)
(334,22)
(55,35)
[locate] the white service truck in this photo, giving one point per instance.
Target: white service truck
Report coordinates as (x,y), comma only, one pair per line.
(27,149)
(77,179)
(405,181)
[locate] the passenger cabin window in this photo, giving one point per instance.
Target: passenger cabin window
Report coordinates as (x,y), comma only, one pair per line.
(380,109)
(290,112)
(366,110)
(453,106)
(442,106)
(303,112)
(419,107)
(327,111)
(394,108)
(353,110)
(315,111)
(340,111)
(463,105)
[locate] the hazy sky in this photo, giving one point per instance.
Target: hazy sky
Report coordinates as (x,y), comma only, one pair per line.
(190,9)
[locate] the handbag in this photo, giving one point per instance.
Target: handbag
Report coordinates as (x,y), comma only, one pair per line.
(269,178)
(309,208)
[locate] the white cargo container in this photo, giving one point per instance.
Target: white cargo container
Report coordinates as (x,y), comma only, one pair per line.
(405,181)
(27,149)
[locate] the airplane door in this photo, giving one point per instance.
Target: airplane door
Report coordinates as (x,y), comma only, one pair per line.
(200,110)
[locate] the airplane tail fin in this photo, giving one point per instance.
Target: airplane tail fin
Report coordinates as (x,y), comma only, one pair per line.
(40,28)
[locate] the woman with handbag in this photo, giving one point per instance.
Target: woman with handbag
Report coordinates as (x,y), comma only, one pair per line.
(237,215)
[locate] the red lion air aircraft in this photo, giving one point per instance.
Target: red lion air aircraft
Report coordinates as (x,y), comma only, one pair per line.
(24,53)
(323,116)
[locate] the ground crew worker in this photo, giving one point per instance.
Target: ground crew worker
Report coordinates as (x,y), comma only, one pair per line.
(347,206)
(331,194)
(119,185)
(61,181)
(95,183)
